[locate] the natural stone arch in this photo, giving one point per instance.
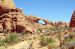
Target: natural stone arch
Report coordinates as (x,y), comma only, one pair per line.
(44,22)
(34,19)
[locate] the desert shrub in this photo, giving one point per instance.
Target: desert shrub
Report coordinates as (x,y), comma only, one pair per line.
(67,40)
(2,42)
(53,29)
(42,42)
(48,42)
(59,36)
(64,47)
(39,30)
(72,39)
(13,37)
(2,48)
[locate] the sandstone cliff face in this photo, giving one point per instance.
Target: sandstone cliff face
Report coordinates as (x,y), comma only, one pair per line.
(12,20)
(72,21)
(5,5)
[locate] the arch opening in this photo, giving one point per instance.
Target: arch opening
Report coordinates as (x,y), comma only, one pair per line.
(41,22)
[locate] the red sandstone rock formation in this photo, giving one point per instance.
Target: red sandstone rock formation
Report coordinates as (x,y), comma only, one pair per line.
(5,5)
(35,20)
(72,21)
(1,27)
(61,24)
(13,20)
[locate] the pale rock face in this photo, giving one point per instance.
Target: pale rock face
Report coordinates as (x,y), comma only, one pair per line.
(21,20)
(14,25)
(8,24)
(29,29)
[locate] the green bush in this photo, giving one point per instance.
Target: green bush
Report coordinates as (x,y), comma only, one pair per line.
(2,48)
(45,41)
(2,42)
(13,37)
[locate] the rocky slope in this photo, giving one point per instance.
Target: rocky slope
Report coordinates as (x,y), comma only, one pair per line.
(18,31)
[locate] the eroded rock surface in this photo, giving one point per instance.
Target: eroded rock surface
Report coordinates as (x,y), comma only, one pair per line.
(12,19)
(72,21)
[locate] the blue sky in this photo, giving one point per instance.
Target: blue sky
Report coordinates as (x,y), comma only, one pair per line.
(54,10)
